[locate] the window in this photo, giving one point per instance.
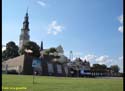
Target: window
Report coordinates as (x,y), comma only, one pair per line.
(50,68)
(66,69)
(59,68)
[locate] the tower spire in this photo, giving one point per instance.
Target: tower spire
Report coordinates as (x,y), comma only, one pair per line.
(24,36)
(26,21)
(27,10)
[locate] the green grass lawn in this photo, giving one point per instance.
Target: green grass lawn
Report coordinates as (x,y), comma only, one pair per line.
(43,83)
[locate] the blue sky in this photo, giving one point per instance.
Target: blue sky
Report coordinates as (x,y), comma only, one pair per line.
(92,29)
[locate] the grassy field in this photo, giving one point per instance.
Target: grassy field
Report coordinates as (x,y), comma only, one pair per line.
(42,83)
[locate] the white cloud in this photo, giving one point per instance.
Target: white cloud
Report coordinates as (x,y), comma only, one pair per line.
(121,58)
(120,19)
(105,60)
(54,28)
(94,59)
(41,3)
(3,48)
(120,29)
(120,63)
(89,57)
(102,59)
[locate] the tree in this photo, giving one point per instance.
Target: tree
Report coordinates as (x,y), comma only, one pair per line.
(30,45)
(11,51)
(51,52)
(96,67)
(4,55)
(115,68)
(103,66)
(99,67)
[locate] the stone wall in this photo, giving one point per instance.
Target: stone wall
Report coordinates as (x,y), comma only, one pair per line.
(27,68)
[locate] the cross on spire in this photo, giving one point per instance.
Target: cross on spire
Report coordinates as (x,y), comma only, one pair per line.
(27,10)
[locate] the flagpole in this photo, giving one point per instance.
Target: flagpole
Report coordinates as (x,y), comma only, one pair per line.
(33,75)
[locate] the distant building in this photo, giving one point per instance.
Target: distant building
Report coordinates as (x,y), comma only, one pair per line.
(78,67)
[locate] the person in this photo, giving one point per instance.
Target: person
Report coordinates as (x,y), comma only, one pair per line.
(35,72)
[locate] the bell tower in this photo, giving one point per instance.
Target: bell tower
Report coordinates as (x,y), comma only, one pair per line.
(24,36)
